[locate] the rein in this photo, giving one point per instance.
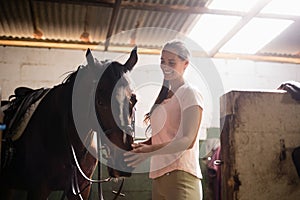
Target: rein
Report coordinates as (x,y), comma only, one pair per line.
(83,174)
(75,187)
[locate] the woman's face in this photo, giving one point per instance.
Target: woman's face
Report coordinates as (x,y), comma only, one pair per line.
(172,66)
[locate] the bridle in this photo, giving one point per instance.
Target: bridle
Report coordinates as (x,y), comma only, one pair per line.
(106,131)
(127,129)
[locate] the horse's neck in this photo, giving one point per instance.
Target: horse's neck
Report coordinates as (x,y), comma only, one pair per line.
(62,94)
(63,97)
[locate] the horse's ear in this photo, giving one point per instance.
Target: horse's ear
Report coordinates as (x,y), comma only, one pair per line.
(132,60)
(89,57)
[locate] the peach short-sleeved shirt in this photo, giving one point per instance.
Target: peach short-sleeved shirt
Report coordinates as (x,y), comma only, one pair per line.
(166,124)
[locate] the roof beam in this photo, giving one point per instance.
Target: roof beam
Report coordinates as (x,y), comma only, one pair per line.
(146,6)
(163,7)
(112,23)
(264,58)
(146,50)
(56,44)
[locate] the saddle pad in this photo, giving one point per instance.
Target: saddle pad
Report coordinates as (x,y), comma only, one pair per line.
(23,113)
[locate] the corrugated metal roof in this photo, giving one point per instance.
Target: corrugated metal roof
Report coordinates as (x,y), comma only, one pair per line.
(66,20)
(146,23)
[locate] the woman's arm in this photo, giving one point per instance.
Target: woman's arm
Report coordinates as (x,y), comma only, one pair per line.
(191,120)
(148,142)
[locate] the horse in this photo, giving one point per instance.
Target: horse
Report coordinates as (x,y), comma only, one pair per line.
(57,148)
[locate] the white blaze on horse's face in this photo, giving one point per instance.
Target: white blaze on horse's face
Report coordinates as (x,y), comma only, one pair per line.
(121,103)
(121,97)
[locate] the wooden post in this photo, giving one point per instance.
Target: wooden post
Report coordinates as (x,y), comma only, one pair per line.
(1,123)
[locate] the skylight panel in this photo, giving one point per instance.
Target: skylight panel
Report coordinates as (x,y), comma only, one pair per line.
(283,7)
(255,35)
(210,29)
(233,5)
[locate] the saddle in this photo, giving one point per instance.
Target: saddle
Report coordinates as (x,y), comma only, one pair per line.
(296,159)
(18,110)
(292,87)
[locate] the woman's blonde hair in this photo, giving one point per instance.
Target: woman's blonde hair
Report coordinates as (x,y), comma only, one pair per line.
(176,47)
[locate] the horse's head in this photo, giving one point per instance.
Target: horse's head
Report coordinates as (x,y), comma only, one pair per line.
(114,105)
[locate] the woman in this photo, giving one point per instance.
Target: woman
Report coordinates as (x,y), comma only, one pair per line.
(174,121)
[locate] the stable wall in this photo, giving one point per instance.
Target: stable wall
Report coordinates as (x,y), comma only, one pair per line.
(261,130)
(41,67)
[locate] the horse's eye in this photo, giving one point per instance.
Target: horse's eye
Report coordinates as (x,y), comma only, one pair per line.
(99,102)
(133,99)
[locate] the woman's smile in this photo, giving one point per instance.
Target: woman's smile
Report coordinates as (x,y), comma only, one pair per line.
(167,71)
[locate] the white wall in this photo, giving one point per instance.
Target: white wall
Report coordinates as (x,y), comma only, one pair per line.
(39,67)
(251,75)
(242,74)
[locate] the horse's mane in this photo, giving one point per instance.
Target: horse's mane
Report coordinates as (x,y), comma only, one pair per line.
(70,76)
(99,65)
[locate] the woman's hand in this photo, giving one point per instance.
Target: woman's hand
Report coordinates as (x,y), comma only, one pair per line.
(139,153)
(141,148)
